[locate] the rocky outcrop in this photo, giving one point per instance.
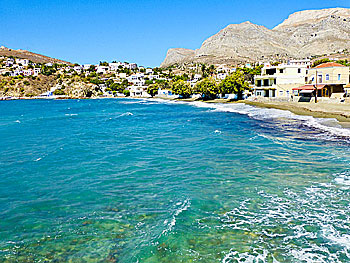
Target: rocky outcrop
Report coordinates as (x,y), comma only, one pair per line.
(305,33)
(176,55)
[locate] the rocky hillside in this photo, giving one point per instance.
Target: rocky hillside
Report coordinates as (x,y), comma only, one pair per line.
(71,86)
(36,58)
(303,34)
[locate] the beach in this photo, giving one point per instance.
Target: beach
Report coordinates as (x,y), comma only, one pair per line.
(339,111)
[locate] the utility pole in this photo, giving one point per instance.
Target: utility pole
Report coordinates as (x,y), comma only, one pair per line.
(316,88)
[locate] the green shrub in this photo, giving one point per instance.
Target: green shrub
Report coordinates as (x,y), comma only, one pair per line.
(59,92)
(126,92)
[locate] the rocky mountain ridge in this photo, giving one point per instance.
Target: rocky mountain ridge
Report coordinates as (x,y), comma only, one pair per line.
(302,34)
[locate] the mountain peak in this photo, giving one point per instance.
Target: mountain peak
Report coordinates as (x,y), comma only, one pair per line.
(302,34)
(308,16)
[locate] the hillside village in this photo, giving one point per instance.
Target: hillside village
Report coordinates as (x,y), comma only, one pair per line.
(292,80)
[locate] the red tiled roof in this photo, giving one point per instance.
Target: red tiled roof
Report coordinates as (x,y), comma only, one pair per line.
(329,65)
(309,87)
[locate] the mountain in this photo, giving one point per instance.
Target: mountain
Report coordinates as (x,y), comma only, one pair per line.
(302,34)
(36,58)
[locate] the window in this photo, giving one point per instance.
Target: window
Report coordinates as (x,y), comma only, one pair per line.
(339,76)
(327,76)
(299,70)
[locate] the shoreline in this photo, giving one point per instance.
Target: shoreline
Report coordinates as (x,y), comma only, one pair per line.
(340,112)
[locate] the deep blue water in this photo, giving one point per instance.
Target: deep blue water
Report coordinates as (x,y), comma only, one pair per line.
(148,181)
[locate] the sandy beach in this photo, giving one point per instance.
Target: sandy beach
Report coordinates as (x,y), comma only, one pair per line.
(339,111)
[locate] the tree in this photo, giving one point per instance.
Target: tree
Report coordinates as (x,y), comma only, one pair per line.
(182,88)
(148,82)
(204,71)
(208,88)
(211,70)
(126,93)
(58,92)
(251,72)
(91,68)
(321,61)
(234,83)
(153,89)
(104,63)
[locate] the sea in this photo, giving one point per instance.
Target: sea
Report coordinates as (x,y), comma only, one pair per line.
(146,180)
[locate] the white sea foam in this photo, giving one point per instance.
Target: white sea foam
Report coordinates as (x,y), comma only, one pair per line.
(320,124)
(246,257)
(71,114)
(180,207)
(343,178)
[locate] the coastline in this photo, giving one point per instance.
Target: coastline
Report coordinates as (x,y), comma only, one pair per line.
(341,112)
(338,111)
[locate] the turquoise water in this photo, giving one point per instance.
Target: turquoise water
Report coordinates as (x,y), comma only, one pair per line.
(150,181)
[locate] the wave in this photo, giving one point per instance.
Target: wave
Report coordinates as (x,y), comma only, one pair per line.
(180,207)
(330,127)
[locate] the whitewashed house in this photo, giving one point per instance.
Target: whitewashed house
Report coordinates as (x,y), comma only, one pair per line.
(102,69)
(152,77)
(136,80)
(138,91)
(222,75)
(86,66)
(23,62)
(279,81)
(37,71)
(78,69)
(149,71)
(28,72)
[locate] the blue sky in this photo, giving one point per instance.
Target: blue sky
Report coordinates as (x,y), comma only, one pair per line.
(86,31)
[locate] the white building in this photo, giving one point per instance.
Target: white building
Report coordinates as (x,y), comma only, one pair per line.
(37,71)
(86,66)
(102,69)
(221,75)
(279,81)
(23,62)
(28,72)
(149,71)
(132,66)
(78,69)
(138,91)
(152,77)
(114,66)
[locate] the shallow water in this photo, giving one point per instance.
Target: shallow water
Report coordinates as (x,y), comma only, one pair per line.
(151,181)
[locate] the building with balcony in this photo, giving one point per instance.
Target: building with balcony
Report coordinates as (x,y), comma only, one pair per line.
(279,81)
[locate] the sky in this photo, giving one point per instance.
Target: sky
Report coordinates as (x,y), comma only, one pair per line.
(87,31)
